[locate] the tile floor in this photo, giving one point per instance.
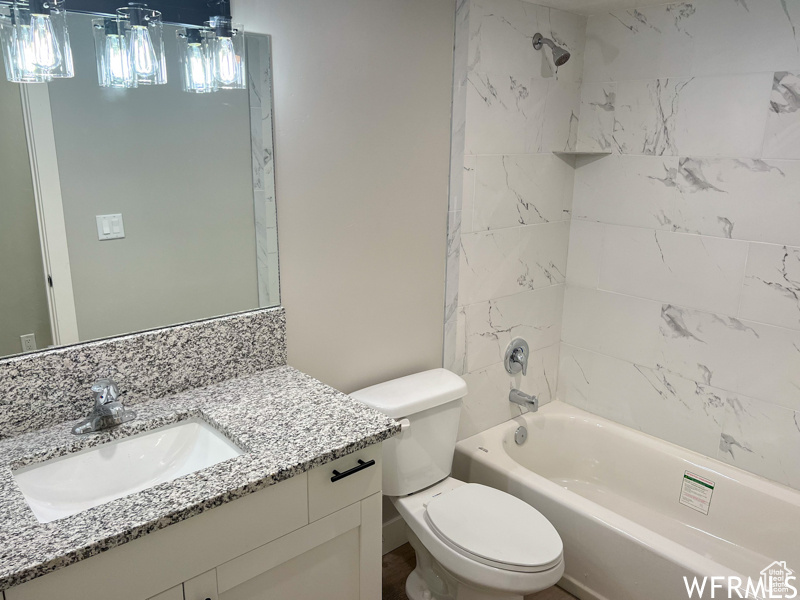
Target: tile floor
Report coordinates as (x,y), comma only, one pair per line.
(399,563)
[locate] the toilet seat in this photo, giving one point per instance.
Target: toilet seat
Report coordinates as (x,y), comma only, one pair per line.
(494,528)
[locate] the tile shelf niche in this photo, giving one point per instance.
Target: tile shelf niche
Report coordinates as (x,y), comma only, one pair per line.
(582,153)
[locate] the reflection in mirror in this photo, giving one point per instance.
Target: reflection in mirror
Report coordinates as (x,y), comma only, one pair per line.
(144,207)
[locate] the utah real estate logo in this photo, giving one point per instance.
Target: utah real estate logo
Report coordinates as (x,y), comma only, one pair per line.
(777,582)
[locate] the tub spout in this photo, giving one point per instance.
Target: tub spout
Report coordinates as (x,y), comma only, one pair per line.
(523,399)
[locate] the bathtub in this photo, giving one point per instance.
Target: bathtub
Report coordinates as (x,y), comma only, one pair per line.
(632,521)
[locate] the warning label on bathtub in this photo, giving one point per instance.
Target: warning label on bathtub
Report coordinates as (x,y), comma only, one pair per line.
(696,492)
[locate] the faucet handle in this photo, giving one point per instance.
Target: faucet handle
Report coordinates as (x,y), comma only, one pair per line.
(105,392)
(516,358)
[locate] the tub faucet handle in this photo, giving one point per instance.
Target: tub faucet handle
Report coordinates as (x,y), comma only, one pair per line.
(517,357)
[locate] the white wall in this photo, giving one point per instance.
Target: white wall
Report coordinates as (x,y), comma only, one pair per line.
(509,211)
(23,298)
(362,115)
(682,313)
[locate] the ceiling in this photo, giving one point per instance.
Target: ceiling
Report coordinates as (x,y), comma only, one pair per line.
(591,7)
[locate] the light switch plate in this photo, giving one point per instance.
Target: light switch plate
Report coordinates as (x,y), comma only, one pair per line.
(110,227)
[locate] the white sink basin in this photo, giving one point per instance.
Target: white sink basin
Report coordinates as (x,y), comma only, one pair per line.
(70,484)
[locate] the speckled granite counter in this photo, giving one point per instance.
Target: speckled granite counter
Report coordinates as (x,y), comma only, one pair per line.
(286,422)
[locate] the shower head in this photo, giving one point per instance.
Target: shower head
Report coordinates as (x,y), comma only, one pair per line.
(560,56)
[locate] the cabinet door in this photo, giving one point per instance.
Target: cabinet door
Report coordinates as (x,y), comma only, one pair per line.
(202,587)
(175,593)
(327,572)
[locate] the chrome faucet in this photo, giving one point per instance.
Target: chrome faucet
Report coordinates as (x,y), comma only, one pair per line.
(108,409)
(516,358)
(523,399)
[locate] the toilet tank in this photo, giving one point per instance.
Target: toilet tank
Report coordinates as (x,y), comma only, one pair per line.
(429,405)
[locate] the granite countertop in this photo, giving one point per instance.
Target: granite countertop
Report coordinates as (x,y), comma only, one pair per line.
(286,421)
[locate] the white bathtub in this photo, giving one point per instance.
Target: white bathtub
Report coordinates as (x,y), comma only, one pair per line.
(614,496)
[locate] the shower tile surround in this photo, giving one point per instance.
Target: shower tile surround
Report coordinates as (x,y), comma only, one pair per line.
(510,199)
(47,388)
(680,304)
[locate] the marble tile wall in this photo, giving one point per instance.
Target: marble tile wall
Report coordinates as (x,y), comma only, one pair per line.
(681,312)
(510,199)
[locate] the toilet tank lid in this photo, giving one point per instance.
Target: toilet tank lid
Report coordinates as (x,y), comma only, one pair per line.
(414,393)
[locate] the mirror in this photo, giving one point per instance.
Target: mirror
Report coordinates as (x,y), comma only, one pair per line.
(123,210)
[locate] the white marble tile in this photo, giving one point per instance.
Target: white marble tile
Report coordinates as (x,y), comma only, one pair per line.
(501,33)
(534,316)
(486,403)
(639,43)
(451,289)
(468,193)
(690,270)
(585,253)
(521,189)
(756,360)
(743,199)
(645,116)
(505,114)
(503,262)
(561,120)
(707,108)
(771,291)
(761,438)
(652,400)
(620,326)
(597,117)
(626,190)
(719,26)
(489,265)
(543,255)
(574,368)
(782,138)
(693,39)
(455,349)
(692,116)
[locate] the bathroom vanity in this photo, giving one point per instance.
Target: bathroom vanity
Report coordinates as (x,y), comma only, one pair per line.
(296,515)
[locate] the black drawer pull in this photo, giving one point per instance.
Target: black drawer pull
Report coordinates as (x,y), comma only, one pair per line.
(361,466)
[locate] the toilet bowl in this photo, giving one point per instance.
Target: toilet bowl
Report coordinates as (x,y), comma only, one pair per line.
(472,542)
(505,549)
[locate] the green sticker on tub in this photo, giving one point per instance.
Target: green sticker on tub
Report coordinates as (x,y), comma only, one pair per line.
(696,492)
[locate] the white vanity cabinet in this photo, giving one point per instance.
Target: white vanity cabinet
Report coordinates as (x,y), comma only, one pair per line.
(307,537)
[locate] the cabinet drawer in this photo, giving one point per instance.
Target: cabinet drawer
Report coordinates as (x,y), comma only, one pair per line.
(355,481)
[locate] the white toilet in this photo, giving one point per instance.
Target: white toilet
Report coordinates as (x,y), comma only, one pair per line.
(472,542)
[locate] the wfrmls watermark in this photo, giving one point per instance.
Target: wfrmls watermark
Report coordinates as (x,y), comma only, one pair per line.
(777,582)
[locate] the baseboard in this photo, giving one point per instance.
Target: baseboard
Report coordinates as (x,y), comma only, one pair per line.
(577,589)
(395,534)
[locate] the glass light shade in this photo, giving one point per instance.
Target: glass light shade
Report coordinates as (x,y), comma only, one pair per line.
(227,51)
(35,41)
(196,65)
(111,51)
(145,43)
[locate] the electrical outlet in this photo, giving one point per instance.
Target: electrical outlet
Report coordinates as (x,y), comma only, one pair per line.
(28,342)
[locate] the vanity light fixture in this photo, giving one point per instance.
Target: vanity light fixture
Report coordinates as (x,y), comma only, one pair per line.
(194,47)
(227,49)
(35,41)
(113,57)
(143,33)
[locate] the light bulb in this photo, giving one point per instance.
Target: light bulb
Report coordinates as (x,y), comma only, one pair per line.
(226,65)
(46,54)
(197,67)
(115,59)
(23,50)
(142,52)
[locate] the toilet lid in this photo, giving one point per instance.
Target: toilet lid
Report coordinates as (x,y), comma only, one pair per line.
(495,528)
